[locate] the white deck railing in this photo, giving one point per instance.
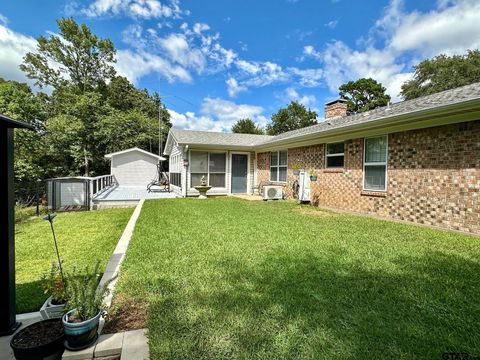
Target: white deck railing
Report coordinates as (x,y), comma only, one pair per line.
(99,184)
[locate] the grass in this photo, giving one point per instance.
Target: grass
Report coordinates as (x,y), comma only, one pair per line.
(24,213)
(83,237)
(228,278)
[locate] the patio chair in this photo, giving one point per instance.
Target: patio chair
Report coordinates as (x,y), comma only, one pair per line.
(161,180)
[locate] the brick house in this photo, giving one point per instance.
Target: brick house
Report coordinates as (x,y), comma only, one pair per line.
(416,160)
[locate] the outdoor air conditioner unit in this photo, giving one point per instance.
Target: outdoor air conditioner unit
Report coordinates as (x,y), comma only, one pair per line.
(272,193)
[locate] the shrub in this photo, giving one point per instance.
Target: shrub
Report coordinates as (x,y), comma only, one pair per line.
(52,284)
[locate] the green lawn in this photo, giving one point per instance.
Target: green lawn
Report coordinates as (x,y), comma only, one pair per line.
(229,278)
(83,237)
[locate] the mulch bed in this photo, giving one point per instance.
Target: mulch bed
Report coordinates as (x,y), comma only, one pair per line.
(125,315)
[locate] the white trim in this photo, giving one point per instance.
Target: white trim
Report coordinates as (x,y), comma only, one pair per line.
(385,163)
(327,155)
(109,156)
(249,189)
(278,166)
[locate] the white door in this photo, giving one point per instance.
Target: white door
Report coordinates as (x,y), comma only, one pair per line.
(304,192)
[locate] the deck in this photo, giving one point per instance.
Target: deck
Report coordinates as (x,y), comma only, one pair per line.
(128,195)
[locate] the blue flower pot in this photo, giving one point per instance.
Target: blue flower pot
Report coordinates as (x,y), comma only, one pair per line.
(296,172)
(80,335)
(313,177)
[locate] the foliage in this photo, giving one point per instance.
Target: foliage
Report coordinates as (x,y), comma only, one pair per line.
(442,73)
(294,116)
(91,110)
(79,235)
(363,95)
(297,282)
(84,294)
(74,57)
(52,285)
(247,126)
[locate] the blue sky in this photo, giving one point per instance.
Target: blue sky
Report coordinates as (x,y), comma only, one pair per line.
(214,62)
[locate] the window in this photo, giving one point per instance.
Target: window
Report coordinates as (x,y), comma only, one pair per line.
(334,156)
(375,163)
(210,165)
(278,166)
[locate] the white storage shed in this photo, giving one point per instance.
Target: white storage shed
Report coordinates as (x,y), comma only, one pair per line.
(133,167)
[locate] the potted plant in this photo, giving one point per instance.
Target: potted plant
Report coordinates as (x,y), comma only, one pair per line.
(52,284)
(85,307)
(296,169)
(313,175)
(41,340)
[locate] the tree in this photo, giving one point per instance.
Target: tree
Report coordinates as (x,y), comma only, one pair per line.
(363,95)
(247,126)
(442,73)
(75,56)
(294,116)
(18,101)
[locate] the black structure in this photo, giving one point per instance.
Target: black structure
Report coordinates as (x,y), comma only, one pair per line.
(8,323)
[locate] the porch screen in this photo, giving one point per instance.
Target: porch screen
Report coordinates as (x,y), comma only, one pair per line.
(211,165)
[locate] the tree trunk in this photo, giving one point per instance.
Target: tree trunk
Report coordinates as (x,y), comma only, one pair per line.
(86,161)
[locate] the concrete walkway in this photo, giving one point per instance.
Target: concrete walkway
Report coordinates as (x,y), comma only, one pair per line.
(129,345)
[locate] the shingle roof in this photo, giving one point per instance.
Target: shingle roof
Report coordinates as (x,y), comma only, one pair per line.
(429,102)
(444,98)
(217,138)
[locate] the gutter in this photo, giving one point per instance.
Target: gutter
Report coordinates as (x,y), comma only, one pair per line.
(383,123)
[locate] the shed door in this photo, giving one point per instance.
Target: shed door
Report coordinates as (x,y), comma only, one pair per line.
(239,173)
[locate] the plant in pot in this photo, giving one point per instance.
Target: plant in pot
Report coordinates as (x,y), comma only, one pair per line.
(296,169)
(52,284)
(313,175)
(85,307)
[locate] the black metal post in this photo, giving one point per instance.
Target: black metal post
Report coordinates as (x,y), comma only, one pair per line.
(8,323)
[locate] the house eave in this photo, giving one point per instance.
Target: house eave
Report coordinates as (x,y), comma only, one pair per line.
(444,115)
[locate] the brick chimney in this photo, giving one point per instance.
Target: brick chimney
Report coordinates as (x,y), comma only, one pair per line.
(336,108)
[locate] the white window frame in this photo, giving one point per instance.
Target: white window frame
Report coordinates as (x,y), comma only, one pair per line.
(327,155)
(385,163)
(208,167)
(278,166)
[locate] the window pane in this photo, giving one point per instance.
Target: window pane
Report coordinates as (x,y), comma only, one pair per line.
(283,157)
(376,149)
(273,158)
(336,148)
(217,162)
(375,177)
(199,162)
(282,173)
(335,161)
(217,180)
(273,174)
(196,178)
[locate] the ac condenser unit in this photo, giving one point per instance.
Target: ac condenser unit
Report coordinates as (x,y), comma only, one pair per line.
(272,193)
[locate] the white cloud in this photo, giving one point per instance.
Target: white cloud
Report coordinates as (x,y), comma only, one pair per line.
(217,115)
(134,65)
(331,24)
(146,9)
(179,50)
(198,28)
(291,94)
(405,37)
(13,47)
(3,20)
(309,52)
(233,87)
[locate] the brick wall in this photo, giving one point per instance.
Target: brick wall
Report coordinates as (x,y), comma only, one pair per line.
(433,177)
